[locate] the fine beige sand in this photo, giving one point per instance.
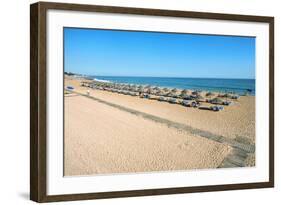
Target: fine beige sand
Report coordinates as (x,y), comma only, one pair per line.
(101,139)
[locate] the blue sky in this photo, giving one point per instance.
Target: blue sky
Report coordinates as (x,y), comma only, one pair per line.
(128,53)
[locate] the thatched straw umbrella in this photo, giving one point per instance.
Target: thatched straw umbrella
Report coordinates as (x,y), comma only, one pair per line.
(216,101)
(195,92)
(225,95)
(233,95)
(128,87)
(125,87)
(118,86)
(146,88)
(183,93)
(200,98)
(140,89)
(209,94)
(186,97)
(121,87)
(149,90)
(132,87)
(155,88)
(174,93)
(158,93)
(169,94)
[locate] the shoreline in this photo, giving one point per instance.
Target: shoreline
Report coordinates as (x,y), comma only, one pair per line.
(233,90)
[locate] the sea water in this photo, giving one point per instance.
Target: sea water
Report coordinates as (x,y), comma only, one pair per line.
(239,86)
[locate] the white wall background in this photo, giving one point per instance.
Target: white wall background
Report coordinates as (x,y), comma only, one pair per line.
(14,101)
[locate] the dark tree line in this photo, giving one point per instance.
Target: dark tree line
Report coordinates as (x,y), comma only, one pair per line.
(69,73)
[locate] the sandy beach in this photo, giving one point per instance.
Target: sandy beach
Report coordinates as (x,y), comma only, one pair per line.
(115,133)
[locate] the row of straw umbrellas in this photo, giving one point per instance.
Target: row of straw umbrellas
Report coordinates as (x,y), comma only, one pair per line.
(159,91)
(148,89)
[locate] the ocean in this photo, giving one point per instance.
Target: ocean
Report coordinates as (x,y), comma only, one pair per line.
(239,86)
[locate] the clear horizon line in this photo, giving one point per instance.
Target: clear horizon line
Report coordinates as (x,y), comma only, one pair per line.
(163,76)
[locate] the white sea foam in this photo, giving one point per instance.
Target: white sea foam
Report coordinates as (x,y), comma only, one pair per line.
(99,80)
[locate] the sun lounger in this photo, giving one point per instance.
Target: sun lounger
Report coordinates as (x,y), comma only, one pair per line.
(226,102)
(235,97)
(186,103)
(69,87)
(194,104)
(216,108)
(204,108)
(172,100)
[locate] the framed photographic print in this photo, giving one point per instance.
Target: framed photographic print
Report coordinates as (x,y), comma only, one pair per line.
(134,102)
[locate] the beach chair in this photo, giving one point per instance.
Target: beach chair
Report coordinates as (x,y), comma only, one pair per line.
(186,103)
(216,108)
(172,100)
(195,104)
